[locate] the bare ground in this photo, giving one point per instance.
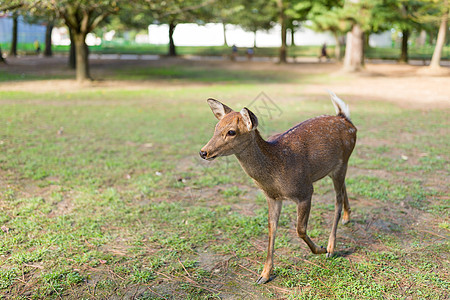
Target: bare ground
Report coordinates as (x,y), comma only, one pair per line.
(406,85)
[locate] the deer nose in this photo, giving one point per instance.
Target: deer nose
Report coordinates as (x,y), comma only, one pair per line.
(203,154)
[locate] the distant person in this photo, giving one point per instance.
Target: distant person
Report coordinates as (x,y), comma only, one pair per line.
(234,52)
(37,47)
(323,52)
(250,53)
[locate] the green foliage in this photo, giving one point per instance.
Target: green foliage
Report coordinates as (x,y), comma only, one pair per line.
(254,15)
(395,14)
(326,18)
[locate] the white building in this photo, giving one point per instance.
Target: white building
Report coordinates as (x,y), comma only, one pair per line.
(212,34)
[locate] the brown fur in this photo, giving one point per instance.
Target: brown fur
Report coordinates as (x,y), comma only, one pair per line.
(286,165)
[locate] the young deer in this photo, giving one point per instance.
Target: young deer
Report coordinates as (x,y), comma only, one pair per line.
(286,165)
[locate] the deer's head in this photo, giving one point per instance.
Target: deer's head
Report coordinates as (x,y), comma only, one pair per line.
(233,132)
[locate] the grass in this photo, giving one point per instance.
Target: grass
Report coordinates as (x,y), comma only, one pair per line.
(103,195)
(424,52)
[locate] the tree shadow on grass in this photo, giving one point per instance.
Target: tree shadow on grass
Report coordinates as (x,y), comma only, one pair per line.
(204,74)
(178,70)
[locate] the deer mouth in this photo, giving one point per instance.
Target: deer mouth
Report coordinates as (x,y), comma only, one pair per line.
(211,158)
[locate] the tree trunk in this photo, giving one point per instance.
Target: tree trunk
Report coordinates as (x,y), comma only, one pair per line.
(81,54)
(1,57)
(431,36)
(172,51)
(224,34)
(14,37)
(48,39)
(254,39)
(366,39)
(72,61)
(354,51)
(436,59)
(404,55)
(282,17)
(292,36)
(422,38)
(337,48)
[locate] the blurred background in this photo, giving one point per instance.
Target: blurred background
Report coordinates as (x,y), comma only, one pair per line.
(400,30)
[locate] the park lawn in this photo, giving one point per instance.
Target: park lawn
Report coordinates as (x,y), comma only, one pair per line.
(424,52)
(103,195)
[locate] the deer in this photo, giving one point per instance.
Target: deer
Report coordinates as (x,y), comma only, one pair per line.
(286,165)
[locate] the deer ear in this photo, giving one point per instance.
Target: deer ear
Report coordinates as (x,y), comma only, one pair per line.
(219,109)
(250,120)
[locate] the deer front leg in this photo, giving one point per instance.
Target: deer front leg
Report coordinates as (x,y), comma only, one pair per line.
(274,215)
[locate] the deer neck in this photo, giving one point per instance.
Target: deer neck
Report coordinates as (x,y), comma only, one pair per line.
(255,158)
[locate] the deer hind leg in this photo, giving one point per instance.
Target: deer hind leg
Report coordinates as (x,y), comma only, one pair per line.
(274,215)
(347,210)
(341,200)
(303,210)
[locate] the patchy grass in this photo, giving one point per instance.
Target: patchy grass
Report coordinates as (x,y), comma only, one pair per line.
(102,195)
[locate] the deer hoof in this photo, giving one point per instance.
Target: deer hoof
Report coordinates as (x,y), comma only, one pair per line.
(262,280)
(329,254)
(320,250)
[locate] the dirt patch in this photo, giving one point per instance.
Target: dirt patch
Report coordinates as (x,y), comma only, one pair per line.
(212,262)
(405,85)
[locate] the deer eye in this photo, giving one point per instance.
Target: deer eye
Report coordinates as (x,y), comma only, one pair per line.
(231,133)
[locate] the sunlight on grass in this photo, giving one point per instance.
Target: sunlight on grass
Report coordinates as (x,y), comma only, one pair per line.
(105,188)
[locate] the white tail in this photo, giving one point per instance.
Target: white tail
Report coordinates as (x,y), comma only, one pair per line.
(339,105)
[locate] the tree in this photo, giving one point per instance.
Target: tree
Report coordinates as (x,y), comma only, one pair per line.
(282,20)
(43,17)
(13,51)
(399,14)
(253,15)
(293,26)
(48,38)
(358,14)
(289,11)
(436,58)
(174,12)
(354,49)
(2,59)
(10,6)
(82,17)
(72,62)
(226,12)
(330,16)
(435,12)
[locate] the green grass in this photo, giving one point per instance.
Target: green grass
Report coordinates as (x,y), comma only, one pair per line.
(204,75)
(119,204)
(424,52)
